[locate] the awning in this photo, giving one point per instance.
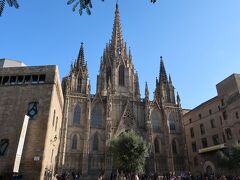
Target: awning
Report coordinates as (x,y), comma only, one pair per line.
(212,148)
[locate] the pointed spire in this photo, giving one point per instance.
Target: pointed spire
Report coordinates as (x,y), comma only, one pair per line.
(178,99)
(170,79)
(117,41)
(137,90)
(162,73)
(80,59)
(146,90)
(156,82)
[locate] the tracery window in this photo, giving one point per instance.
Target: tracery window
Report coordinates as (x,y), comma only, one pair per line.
(171,121)
(77,114)
(74,142)
(121,75)
(95,143)
(155,121)
(96,117)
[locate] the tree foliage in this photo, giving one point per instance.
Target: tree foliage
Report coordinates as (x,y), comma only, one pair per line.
(86,5)
(229,158)
(11,3)
(129,152)
(80,4)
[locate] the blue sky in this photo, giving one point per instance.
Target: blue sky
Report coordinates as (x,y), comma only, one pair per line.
(199,40)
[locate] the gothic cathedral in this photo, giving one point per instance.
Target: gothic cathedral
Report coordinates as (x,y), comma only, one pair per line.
(91,121)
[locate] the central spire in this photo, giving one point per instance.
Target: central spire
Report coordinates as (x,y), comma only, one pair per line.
(162,73)
(117,40)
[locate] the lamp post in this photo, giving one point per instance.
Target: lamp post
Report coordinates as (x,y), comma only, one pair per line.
(32,112)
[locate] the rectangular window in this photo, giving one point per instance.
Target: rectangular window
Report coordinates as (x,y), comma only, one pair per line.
(13,79)
(42,78)
(215,139)
(237,116)
(222,102)
(190,120)
(5,80)
(210,111)
(27,79)
(0,80)
(213,123)
(200,116)
(224,113)
(202,129)
(35,79)
(192,132)
(20,79)
(194,147)
(204,142)
(228,133)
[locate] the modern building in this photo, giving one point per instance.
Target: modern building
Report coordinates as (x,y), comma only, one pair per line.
(212,126)
(10,63)
(35,91)
(91,121)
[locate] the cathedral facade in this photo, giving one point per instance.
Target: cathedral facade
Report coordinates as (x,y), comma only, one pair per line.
(91,121)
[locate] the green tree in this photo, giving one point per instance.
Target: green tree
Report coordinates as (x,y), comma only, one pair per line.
(11,3)
(229,158)
(80,4)
(129,152)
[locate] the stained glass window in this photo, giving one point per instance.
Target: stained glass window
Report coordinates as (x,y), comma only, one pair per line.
(155,121)
(96,116)
(77,115)
(171,121)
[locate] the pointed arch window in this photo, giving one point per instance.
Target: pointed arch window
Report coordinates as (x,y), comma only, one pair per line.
(77,114)
(74,142)
(96,121)
(108,74)
(155,121)
(121,75)
(95,143)
(156,146)
(174,147)
(79,86)
(171,121)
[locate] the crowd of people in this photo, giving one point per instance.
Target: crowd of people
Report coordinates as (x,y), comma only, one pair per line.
(151,176)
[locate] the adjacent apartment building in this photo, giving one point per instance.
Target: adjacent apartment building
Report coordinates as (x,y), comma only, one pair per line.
(35,91)
(213,125)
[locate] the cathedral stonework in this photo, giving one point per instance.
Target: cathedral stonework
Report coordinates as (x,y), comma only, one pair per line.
(91,121)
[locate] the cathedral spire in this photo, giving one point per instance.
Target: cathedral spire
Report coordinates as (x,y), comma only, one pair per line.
(117,40)
(162,73)
(170,79)
(80,59)
(146,91)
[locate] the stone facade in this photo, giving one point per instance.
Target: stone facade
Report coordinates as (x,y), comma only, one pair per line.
(212,126)
(91,121)
(20,88)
